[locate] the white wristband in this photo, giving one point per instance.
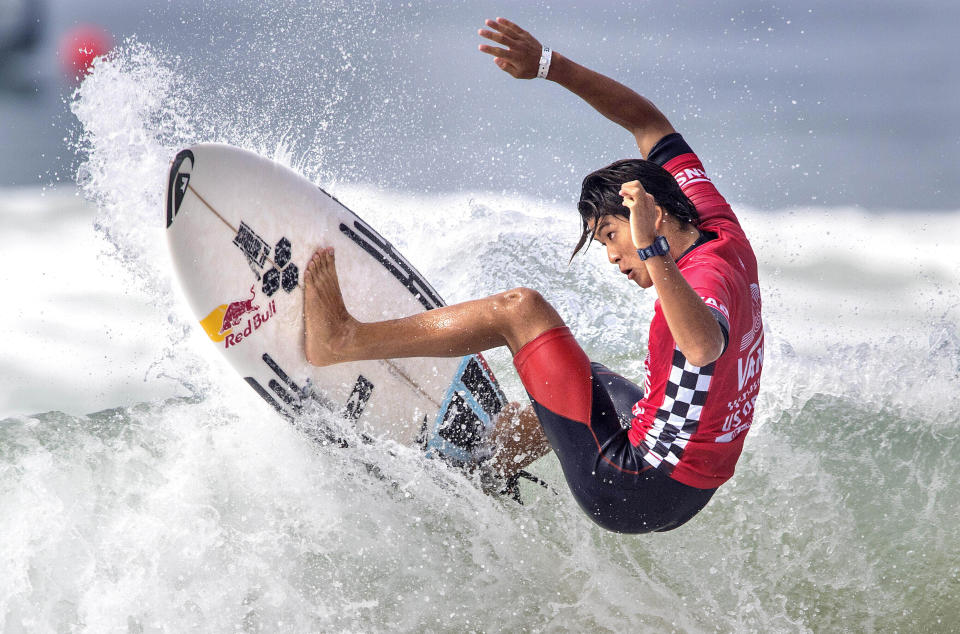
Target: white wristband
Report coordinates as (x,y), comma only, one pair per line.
(545,56)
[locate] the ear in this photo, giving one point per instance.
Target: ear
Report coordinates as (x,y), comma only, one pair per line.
(661,218)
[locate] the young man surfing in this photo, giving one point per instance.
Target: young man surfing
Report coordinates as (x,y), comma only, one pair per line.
(663,224)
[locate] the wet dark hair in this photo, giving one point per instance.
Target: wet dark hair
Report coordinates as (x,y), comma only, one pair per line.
(599,195)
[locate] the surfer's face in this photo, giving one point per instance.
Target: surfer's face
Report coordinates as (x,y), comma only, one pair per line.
(613,232)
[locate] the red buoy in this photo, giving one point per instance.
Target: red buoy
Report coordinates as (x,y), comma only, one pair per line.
(80,46)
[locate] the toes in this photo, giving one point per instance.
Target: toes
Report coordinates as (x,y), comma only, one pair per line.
(321,265)
(313,273)
(319,261)
(326,262)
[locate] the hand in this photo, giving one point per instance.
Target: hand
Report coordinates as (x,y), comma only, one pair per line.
(645,215)
(521,58)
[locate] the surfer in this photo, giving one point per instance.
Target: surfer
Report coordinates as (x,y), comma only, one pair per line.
(663,225)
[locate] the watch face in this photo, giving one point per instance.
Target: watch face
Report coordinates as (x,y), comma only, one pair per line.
(660,246)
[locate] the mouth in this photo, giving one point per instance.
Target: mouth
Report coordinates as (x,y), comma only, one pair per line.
(628,272)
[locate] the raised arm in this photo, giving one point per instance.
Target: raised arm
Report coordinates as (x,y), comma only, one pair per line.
(519,55)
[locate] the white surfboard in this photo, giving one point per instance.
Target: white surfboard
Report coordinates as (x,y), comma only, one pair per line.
(241,230)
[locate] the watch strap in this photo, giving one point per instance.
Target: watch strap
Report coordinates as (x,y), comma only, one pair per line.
(660,246)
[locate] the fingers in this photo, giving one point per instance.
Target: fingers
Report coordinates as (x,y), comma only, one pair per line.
(496,37)
(507,66)
(500,25)
(502,58)
(504,32)
(499,39)
(493,50)
(633,190)
(506,26)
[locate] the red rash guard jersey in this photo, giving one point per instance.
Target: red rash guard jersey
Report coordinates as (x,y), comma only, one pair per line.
(692,421)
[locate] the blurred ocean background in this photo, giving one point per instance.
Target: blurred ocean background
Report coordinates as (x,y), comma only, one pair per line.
(145,488)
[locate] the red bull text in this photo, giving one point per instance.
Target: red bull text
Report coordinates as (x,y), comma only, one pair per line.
(253,324)
(234,322)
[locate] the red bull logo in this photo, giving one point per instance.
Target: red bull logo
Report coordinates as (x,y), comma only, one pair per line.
(253,324)
(234,322)
(235,312)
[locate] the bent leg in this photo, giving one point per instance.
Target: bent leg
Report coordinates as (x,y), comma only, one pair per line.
(510,319)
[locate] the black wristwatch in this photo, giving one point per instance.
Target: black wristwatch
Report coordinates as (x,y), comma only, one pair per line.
(660,246)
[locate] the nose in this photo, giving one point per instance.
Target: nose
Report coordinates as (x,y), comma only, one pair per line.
(612,255)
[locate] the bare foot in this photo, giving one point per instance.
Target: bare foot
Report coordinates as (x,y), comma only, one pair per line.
(518,439)
(327,323)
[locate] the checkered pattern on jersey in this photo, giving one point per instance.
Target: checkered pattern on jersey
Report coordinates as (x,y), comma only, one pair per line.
(678,416)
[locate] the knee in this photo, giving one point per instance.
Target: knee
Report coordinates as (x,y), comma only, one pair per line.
(522,315)
(524,304)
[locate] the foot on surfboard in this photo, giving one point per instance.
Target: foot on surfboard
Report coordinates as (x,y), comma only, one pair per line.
(327,322)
